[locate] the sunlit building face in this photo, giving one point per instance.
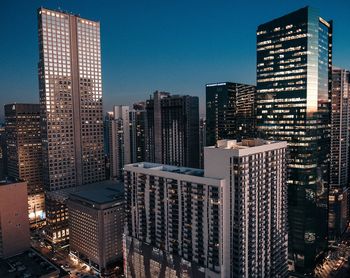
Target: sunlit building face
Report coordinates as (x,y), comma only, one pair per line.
(71,98)
(294,54)
(71,101)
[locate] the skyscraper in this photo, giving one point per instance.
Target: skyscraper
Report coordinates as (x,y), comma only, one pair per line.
(71,104)
(173,129)
(202,140)
(339,174)
(228,220)
(119,147)
(229,111)
(294,59)
(138,132)
(24,155)
(3,153)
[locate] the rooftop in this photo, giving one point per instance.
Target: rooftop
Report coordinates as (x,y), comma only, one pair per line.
(171,169)
(8,180)
(244,144)
(28,264)
(99,192)
(104,193)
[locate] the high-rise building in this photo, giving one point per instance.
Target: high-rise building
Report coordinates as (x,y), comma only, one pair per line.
(14,222)
(294,59)
(106,132)
(3,153)
(119,147)
(228,220)
(71,105)
(96,223)
(107,138)
(24,156)
(138,132)
(202,140)
(173,129)
(229,111)
(339,170)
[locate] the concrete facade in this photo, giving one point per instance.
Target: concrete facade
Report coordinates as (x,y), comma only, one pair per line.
(14,222)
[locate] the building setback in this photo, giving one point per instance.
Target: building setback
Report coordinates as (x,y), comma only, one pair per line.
(228,220)
(71,106)
(24,153)
(14,222)
(339,173)
(229,111)
(96,223)
(294,59)
(173,129)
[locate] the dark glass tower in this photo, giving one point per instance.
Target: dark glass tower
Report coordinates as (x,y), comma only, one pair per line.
(138,131)
(173,130)
(229,112)
(294,58)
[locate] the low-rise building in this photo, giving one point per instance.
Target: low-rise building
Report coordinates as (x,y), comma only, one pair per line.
(96,222)
(14,222)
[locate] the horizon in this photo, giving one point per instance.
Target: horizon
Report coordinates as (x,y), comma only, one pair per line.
(178,47)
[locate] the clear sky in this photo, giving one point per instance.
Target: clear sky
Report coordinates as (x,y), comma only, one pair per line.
(147,45)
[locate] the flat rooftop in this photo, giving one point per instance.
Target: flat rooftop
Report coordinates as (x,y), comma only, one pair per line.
(10,181)
(99,192)
(28,264)
(104,193)
(169,168)
(244,144)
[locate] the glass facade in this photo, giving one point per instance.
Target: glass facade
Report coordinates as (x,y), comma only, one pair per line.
(338,192)
(229,112)
(294,58)
(173,129)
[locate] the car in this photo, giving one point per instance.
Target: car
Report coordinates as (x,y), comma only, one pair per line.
(54,259)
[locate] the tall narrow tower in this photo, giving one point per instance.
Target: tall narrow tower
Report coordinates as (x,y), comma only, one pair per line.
(339,173)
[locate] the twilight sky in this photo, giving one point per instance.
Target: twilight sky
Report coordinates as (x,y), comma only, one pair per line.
(176,46)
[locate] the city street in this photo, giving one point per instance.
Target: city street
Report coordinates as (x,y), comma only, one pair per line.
(336,263)
(61,258)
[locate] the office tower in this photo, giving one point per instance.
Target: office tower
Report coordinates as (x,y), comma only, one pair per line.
(202,140)
(96,223)
(229,111)
(119,146)
(106,132)
(339,171)
(14,223)
(24,155)
(71,106)
(138,131)
(3,153)
(294,58)
(228,220)
(173,127)
(107,139)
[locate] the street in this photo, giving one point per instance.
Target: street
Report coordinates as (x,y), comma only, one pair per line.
(336,264)
(61,258)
